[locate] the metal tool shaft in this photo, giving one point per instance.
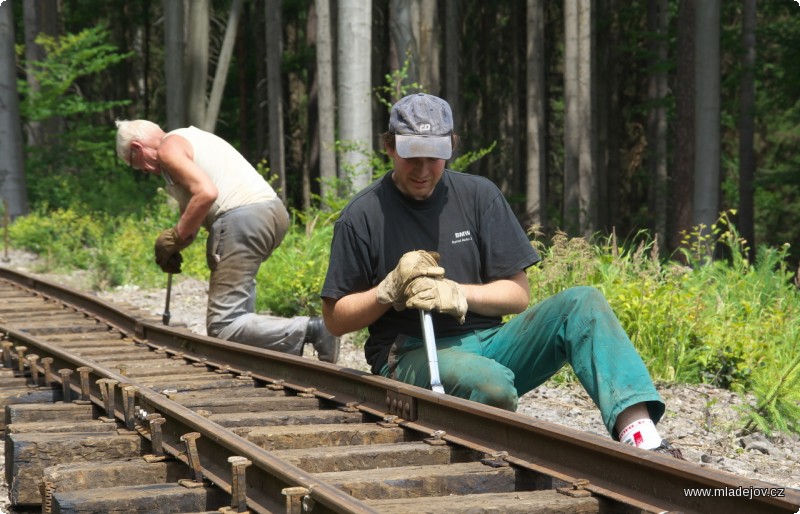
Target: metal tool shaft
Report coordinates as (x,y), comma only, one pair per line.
(430,347)
(165,317)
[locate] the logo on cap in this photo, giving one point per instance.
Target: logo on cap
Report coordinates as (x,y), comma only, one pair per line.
(425,127)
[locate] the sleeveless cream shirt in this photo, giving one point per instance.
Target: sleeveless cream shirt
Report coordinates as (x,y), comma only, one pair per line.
(237,182)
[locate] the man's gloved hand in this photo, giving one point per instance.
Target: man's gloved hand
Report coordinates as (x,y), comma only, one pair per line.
(167,245)
(437,294)
(173,265)
(418,263)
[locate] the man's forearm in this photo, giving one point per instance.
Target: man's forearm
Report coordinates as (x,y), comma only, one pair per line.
(352,312)
(498,298)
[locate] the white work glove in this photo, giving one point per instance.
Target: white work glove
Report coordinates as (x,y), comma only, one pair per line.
(418,263)
(437,294)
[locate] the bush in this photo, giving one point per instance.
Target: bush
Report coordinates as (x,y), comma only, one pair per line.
(118,250)
(724,322)
(291,280)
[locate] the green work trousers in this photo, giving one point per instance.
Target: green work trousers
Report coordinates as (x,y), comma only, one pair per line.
(498,365)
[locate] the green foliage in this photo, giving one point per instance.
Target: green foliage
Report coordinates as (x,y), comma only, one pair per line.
(722,322)
(68,58)
(462,162)
(117,250)
(79,164)
(290,281)
(65,238)
(778,405)
(395,87)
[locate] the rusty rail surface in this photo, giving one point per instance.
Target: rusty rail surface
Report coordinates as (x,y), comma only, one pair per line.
(540,455)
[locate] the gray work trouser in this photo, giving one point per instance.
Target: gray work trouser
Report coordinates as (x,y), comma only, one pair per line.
(238,242)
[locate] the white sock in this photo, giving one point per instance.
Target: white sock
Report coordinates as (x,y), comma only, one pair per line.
(641,433)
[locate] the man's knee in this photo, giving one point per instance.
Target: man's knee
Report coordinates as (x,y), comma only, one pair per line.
(497,395)
(585,295)
(490,385)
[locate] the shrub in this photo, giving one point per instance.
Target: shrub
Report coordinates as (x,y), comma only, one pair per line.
(291,280)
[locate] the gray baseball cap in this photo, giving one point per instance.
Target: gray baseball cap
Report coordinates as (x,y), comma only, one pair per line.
(423,127)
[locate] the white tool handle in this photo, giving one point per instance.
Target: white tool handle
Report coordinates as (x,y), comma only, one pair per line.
(430,347)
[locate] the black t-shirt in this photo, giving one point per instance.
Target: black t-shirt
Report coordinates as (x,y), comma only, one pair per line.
(466,219)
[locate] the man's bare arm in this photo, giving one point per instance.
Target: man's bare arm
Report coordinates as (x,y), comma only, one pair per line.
(176,158)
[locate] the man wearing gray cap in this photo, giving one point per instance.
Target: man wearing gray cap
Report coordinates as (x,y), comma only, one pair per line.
(425,237)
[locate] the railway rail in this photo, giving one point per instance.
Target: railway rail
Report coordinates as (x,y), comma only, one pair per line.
(107,410)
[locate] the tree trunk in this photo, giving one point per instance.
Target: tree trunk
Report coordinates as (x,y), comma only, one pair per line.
(354,89)
(197,62)
(587,130)
(223,63)
(428,46)
(658,20)
(12,171)
(747,158)
(326,99)
(682,180)
(274,35)
(452,27)
(707,112)
(536,173)
(571,221)
(604,83)
(40,17)
(611,190)
(174,64)
(310,112)
(260,86)
(402,30)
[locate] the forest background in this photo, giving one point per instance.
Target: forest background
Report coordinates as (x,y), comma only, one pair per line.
(650,146)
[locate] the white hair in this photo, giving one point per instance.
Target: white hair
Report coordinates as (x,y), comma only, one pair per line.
(129,131)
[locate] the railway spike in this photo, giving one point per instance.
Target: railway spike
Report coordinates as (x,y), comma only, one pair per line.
(32,358)
(156,437)
(21,359)
(238,483)
(436,438)
(7,345)
(193,456)
(48,373)
(85,391)
(128,400)
(66,391)
(107,392)
(295,499)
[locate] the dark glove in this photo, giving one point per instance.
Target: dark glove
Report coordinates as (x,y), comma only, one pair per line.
(173,265)
(167,245)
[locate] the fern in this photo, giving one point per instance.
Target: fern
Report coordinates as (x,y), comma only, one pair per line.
(778,402)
